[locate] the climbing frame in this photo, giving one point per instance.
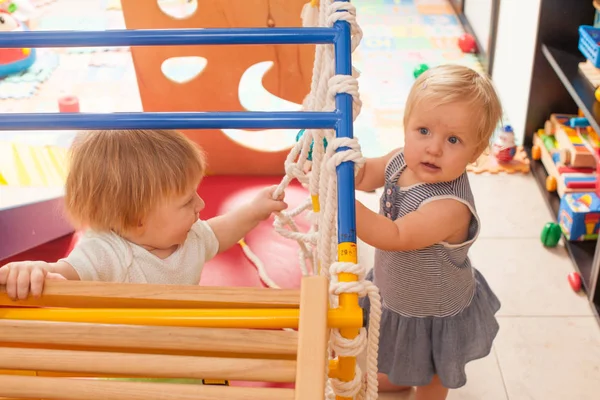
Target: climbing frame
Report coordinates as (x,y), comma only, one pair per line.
(82,330)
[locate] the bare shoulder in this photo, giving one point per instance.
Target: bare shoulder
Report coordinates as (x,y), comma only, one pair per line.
(447,210)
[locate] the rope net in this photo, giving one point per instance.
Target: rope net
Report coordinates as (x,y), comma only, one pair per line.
(314,165)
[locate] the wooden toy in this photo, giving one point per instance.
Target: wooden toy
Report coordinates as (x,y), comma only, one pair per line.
(579,216)
(564,151)
(544,149)
(591,73)
(574,153)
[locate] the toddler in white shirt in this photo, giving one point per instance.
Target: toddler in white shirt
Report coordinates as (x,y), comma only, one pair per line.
(135,194)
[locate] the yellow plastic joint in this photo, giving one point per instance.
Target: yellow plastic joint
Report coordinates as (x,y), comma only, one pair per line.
(345,317)
(315,202)
(333,369)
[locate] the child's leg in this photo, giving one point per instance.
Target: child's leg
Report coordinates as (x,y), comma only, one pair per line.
(434,391)
(385,385)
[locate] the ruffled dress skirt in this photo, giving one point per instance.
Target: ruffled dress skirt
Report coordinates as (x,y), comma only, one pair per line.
(412,350)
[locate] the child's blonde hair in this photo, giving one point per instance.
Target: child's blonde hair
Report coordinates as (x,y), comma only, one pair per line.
(450,83)
(116,177)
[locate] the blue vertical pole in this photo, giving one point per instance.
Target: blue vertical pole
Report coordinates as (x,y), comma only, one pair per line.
(345,171)
(345,367)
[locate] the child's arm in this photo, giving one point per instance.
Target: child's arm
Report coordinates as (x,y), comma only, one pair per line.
(95,258)
(233,226)
(432,223)
(372,174)
(27,277)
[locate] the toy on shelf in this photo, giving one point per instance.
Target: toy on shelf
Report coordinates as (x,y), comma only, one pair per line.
(591,73)
(589,37)
(504,147)
(13,61)
(568,153)
(579,216)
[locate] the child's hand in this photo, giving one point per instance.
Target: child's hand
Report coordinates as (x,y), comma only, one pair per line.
(264,204)
(23,278)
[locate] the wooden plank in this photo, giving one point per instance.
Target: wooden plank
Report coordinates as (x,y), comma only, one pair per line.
(164,339)
(89,389)
(312,338)
(148,365)
(83,294)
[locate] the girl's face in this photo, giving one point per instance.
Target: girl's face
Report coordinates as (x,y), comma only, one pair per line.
(168,225)
(440,141)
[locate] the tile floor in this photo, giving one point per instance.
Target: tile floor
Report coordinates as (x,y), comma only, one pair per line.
(548,347)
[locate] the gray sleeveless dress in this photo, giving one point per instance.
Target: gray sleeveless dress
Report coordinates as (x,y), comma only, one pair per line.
(438,311)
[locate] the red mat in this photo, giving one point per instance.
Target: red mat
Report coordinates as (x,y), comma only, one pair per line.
(280,255)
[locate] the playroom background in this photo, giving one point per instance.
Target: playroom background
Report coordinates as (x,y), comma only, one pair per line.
(545,320)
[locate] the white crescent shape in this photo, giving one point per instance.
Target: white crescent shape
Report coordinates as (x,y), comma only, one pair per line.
(254,97)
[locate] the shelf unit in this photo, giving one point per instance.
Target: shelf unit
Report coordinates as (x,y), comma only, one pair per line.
(557,86)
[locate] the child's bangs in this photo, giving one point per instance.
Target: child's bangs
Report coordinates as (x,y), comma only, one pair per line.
(179,176)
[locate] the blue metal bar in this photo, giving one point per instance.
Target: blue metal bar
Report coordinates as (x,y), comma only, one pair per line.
(178,120)
(345,171)
(167,37)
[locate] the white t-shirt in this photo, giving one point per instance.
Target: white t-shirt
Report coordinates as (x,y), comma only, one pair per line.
(107,257)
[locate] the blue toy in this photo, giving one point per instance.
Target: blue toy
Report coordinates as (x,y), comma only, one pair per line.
(14,60)
(579,216)
(299,135)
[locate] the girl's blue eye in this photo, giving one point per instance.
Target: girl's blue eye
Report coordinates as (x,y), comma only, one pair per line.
(423,131)
(453,139)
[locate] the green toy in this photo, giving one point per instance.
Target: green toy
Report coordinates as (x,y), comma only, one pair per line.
(299,135)
(419,69)
(551,234)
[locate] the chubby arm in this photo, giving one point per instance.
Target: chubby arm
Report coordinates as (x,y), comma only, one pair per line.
(233,226)
(434,222)
(372,175)
(65,269)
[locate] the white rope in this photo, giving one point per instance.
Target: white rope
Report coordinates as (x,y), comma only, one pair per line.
(318,246)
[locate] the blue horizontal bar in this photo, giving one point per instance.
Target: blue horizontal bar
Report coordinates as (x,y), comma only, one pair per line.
(167,37)
(172,120)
